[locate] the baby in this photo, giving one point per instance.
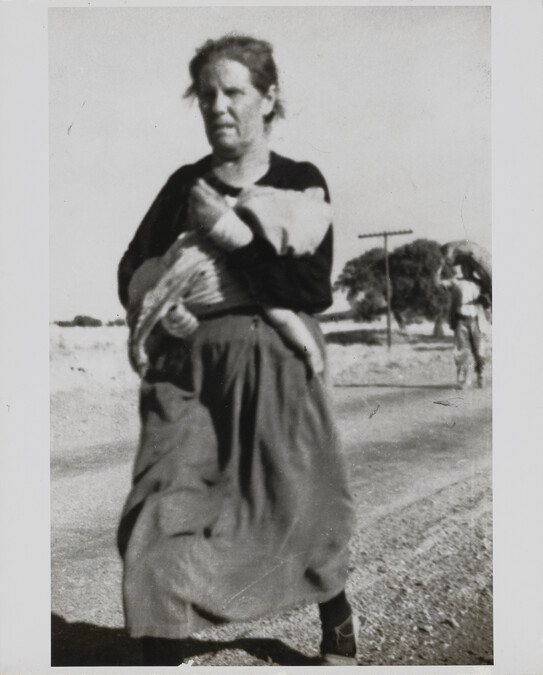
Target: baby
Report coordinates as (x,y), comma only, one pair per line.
(192,278)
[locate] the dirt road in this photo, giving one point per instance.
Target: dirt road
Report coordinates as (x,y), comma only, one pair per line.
(421,567)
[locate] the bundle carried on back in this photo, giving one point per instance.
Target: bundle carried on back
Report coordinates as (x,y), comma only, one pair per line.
(475,258)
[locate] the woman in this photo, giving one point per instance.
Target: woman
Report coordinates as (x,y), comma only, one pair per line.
(239,505)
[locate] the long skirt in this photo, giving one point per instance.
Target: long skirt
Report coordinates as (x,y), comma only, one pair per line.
(240,504)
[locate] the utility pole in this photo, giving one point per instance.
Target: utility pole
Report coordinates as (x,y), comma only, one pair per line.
(385,236)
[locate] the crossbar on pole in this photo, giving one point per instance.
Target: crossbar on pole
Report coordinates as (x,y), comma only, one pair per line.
(382,234)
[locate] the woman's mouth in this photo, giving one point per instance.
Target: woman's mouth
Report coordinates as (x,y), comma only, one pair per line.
(223,126)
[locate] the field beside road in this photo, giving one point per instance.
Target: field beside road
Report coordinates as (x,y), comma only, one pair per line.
(419,454)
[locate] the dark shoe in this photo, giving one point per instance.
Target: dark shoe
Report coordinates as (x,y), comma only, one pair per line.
(338,646)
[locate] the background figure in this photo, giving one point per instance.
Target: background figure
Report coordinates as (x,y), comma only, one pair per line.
(240,503)
(467,307)
(477,263)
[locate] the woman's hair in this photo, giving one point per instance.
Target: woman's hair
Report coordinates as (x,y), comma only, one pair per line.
(255,55)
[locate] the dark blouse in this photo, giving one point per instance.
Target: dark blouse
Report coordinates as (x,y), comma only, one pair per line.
(299,283)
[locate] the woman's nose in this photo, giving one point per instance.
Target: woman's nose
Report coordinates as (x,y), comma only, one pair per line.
(219,103)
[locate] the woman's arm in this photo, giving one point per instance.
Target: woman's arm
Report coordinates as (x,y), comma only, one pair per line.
(298,283)
(290,281)
(161,225)
(136,253)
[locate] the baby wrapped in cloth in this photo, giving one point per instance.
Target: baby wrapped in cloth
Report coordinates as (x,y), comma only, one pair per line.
(192,279)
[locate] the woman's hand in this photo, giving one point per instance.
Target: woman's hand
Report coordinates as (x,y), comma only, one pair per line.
(206,206)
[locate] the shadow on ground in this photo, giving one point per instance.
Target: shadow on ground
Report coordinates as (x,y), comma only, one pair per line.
(364,336)
(85,644)
(358,337)
(371,385)
(433,348)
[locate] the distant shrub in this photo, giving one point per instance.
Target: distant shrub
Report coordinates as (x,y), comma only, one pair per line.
(80,320)
(116,322)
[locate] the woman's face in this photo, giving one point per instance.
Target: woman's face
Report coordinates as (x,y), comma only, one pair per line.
(233,109)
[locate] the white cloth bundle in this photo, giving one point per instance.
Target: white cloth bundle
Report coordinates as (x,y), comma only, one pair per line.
(185,283)
(293,222)
(192,278)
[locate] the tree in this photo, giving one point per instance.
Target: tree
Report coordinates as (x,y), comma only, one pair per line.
(414,293)
(364,280)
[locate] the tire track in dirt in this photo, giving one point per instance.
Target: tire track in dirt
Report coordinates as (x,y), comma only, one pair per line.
(421,577)
(421,564)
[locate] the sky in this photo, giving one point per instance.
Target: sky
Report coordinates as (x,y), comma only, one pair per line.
(393,104)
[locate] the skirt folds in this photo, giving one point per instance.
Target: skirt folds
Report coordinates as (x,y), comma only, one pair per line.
(240,504)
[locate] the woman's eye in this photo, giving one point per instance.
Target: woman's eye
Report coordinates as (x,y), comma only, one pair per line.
(207,98)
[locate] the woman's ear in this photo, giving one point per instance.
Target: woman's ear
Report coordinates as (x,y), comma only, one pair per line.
(269,100)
